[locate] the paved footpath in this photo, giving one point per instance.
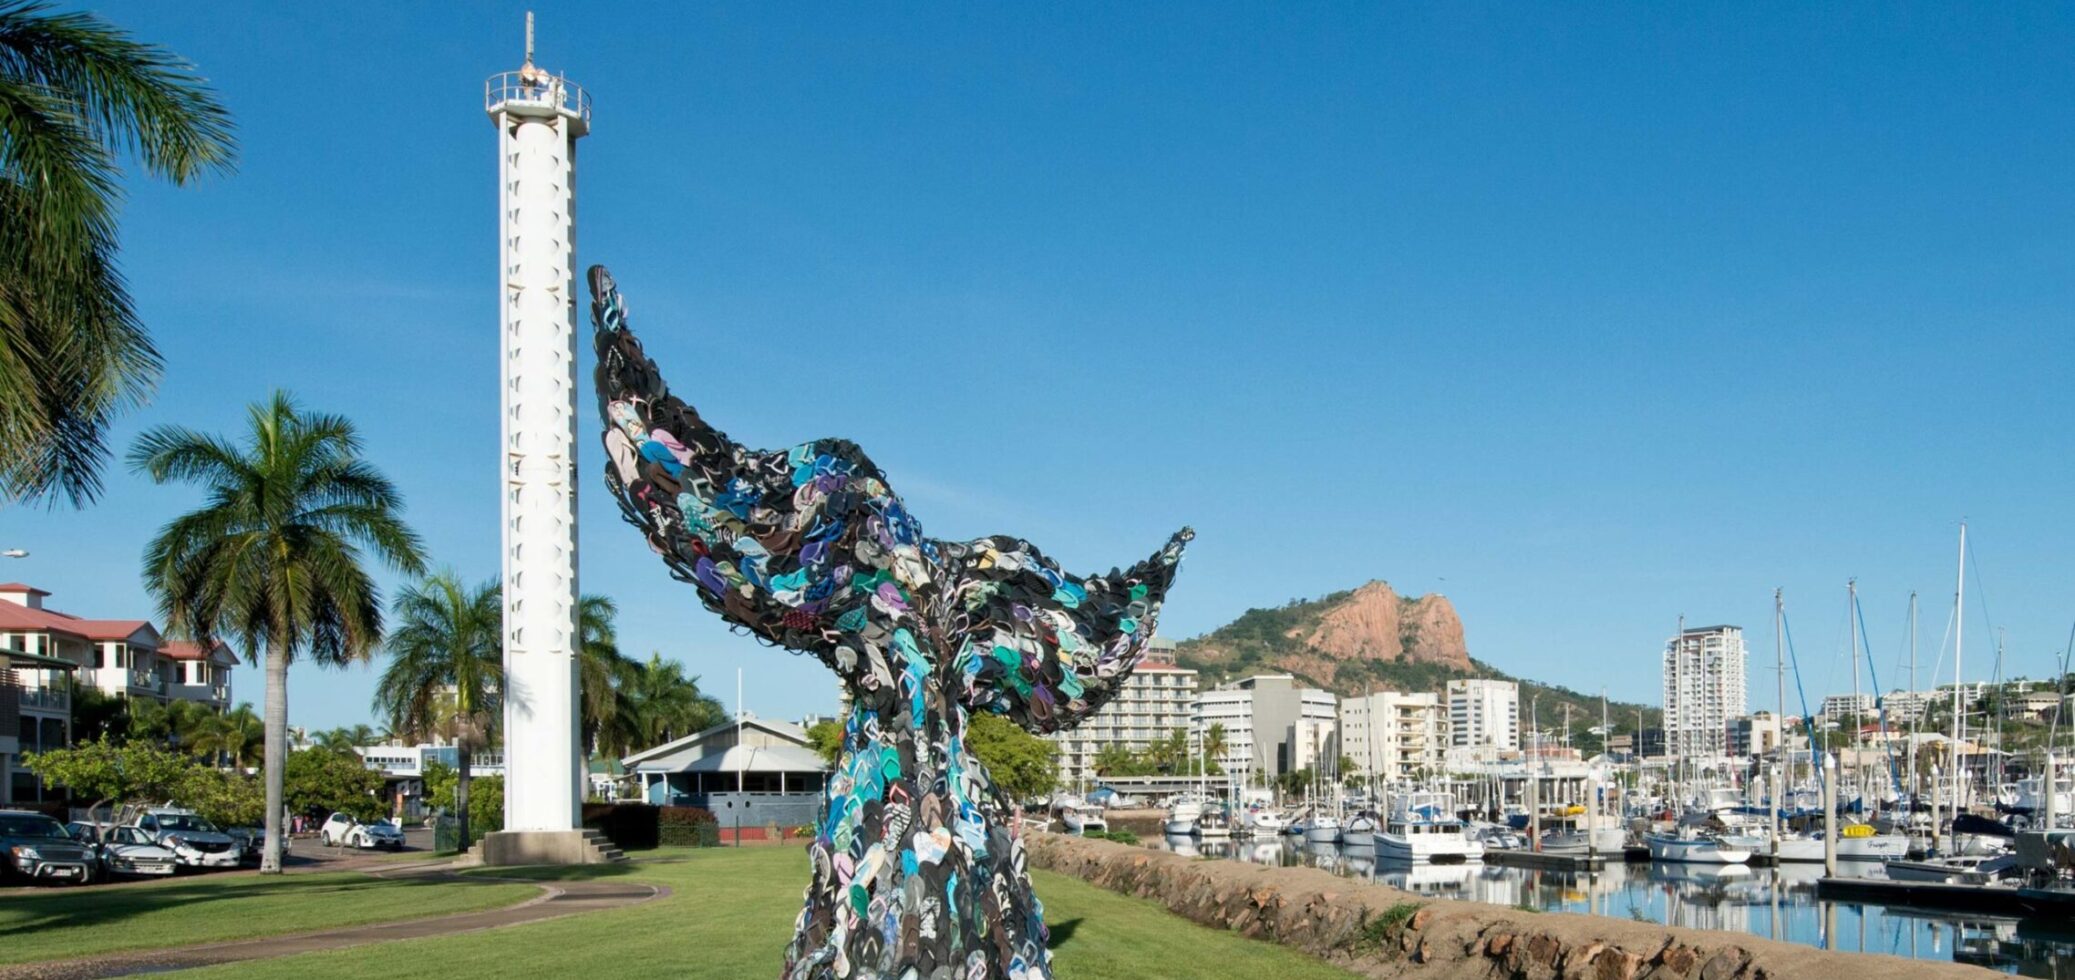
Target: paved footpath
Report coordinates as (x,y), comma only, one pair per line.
(557,899)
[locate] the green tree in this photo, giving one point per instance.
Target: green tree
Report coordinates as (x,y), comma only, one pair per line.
(319,780)
(168,723)
(1117,759)
(827,738)
(346,738)
(1215,741)
(230,799)
(277,556)
(229,738)
(76,96)
(485,797)
(110,772)
(445,678)
(664,704)
(1023,766)
(602,674)
(98,715)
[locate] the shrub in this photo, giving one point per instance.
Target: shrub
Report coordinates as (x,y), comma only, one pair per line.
(686,826)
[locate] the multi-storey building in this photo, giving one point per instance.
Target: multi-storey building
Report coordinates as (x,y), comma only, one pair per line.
(1703,689)
(1849,709)
(1754,735)
(1272,726)
(1394,736)
(1484,714)
(35,714)
(1153,703)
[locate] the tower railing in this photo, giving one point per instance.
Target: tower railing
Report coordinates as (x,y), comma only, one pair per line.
(537,88)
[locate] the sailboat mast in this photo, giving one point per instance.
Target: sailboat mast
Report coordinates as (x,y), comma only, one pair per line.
(1959,727)
(1779,718)
(1915,788)
(1851,625)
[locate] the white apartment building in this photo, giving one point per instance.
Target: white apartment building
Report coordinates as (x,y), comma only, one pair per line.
(1846,708)
(1484,714)
(1703,689)
(1272,726)
(1155,701)
(1394,736)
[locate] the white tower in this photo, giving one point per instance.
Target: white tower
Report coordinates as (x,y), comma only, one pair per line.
(539,118)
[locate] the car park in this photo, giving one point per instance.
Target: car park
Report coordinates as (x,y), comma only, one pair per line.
(194,841)
(36,848)
(342,830)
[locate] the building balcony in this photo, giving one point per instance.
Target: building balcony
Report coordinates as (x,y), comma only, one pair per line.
(47,698)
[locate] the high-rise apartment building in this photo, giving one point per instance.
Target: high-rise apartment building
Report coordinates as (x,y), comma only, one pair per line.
(1394,736)
(1484,714)
(1703,689)
(1155,700)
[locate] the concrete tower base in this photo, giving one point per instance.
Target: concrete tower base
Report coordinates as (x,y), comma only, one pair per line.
(506,848)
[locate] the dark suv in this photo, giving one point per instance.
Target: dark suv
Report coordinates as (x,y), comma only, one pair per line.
(35,847)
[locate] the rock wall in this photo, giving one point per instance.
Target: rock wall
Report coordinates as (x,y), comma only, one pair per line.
(1377,931)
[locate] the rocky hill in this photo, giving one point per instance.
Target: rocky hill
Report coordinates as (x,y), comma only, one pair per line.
(1372,638)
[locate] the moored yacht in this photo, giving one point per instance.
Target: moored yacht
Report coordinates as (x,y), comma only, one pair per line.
(1695,849)
(1182,818)
(1080,816)
(1321,828)
(1423,827)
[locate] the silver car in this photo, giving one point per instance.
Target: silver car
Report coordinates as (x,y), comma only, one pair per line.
(124,851)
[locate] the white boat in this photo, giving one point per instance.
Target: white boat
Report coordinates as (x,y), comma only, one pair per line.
(1212,824)
(1182,818)
(1697,849)
(1359,830)
(1322,828)
(1869,846)
(1423,827)
(1263,821)
(1081,817)
(1959,869)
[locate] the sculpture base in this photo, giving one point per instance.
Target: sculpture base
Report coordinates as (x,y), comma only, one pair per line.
(506,848)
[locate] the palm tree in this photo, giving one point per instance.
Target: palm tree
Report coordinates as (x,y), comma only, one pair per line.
(229,737)
(275,558)
(1215,742)
(664,704)
(601,670)
(77,94)
(446,671)
(169,723)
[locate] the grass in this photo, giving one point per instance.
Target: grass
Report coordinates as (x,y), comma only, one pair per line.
(730,914)
(49,923)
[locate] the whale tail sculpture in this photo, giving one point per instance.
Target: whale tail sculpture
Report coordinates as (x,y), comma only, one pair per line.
(915,870)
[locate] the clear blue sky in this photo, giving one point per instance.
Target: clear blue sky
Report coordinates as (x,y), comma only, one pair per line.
(1586,319)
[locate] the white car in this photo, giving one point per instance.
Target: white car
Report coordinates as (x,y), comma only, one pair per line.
(194,841)
(125,851)
(344,831)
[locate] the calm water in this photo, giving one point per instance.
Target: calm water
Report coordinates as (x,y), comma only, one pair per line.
(1778,903)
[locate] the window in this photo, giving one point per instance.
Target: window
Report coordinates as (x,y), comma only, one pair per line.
(100,658)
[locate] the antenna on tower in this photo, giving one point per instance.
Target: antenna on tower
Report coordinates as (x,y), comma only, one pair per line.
(529,39)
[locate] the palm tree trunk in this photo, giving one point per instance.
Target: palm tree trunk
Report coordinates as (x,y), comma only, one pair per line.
(461,787)
(277,752)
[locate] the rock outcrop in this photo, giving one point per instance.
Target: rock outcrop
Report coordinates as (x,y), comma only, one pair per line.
(1373,623)
(1377,931)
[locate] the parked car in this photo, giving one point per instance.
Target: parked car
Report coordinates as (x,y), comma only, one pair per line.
(35,847)
(252,843)
(344,831)
(194,841)
(124,851)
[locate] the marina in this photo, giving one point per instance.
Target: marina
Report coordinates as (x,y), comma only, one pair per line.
(1791,902)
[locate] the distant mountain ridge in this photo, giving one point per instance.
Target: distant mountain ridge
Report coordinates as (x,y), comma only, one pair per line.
(1372,638)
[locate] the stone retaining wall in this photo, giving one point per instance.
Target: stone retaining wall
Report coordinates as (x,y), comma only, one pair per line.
(1378,931)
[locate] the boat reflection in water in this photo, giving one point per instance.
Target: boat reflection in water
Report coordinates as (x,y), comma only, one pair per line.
(1777,903)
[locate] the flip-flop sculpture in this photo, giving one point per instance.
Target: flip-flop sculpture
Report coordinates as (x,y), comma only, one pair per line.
(916,870)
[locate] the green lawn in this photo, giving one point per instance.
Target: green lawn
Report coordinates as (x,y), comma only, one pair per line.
(730,914)
(50,923)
